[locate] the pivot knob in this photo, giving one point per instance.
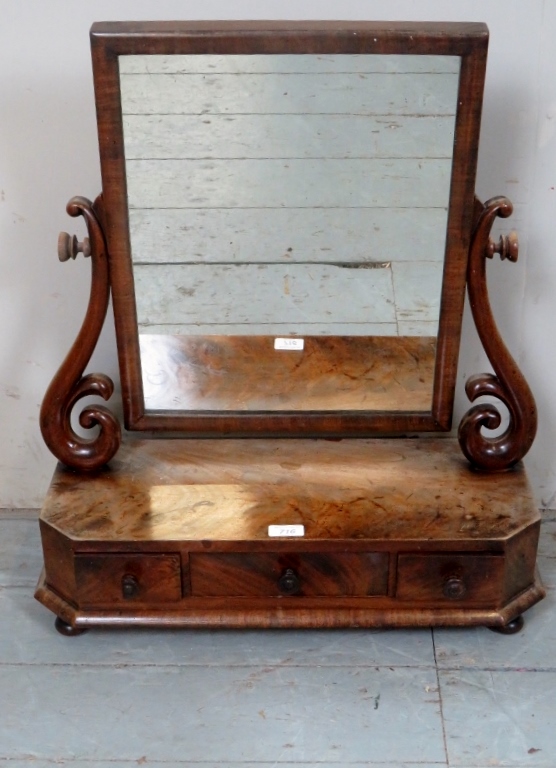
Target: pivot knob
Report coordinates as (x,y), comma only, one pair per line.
(69,247)
(507,247)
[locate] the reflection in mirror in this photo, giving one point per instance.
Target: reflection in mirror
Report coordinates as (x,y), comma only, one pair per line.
(288,196)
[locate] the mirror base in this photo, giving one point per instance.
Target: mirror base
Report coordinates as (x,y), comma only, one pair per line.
(188,521)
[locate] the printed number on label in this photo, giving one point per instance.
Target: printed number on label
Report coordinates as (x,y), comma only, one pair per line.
(286,530)
(296,344)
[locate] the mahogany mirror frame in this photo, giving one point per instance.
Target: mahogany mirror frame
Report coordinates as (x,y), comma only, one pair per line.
(466,40)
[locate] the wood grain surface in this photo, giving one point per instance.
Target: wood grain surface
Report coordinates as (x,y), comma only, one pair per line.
(257,574)
(396,532)
(230,491)
(239,373)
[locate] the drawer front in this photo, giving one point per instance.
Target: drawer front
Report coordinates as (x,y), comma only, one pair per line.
(303,574)
(109,579)
(451,578)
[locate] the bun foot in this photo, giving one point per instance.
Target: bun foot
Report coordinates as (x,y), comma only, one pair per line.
(513,626)
(66,629)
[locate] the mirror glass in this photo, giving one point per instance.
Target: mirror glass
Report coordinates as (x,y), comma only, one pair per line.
(287,222)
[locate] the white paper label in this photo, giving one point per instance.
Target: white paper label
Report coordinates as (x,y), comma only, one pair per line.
(286,530)
(289,343)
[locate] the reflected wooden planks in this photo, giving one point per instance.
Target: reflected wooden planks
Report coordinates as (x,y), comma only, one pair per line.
(289,235)
(382,299)
(292,136)
(278,183)
(297,160)
(403,93)
(286,63)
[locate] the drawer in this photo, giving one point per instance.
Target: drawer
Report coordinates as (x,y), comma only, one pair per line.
(108,579)
(302,574)
(452,578)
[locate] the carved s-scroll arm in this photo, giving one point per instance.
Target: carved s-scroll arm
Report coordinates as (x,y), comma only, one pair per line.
(508,384)
(69,385)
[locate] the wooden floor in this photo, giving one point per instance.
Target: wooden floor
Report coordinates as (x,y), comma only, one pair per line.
(246,373)
(238,699)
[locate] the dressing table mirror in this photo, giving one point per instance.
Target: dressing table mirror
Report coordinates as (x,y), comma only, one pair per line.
(287,228)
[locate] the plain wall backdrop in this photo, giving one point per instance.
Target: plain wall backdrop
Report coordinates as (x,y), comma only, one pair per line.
(48,153)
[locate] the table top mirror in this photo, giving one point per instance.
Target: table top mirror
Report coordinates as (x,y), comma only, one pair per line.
(285,225)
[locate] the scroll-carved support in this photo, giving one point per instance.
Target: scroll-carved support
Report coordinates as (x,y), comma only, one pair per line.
(69,385)
(508,383)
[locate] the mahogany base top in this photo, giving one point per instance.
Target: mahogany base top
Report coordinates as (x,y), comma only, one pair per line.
(232,490)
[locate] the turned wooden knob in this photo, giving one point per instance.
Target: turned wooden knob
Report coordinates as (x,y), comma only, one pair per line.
(454,588)
(289,582)
(507,247)
(69,247)
(130,587)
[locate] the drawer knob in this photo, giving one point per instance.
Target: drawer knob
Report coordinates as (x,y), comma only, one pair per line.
(289,583)
(454,588)
(130,587)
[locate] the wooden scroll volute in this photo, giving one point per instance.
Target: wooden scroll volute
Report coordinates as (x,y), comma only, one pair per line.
(69,385)
(507,383)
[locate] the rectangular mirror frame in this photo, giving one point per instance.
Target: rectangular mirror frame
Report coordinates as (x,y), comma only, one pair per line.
(466,40)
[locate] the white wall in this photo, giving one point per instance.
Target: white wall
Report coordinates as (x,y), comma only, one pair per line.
(48,153)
